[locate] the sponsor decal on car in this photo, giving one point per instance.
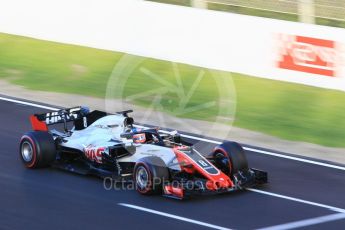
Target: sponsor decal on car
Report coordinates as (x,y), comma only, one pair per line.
(94,153)
(308,54)
(55,117)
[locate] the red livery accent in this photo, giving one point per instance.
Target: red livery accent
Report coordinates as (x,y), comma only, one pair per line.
(38,125)
(174,191)
(215,181)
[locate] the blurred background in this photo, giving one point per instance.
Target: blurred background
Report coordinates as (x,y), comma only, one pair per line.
(282,61)
(321,12)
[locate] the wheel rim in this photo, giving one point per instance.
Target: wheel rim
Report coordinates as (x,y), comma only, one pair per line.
(27,151)
(220,157)
(142,177)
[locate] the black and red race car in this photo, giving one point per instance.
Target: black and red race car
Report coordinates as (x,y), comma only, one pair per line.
(110,145)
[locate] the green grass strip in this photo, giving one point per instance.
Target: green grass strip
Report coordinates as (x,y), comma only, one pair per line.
(286,110)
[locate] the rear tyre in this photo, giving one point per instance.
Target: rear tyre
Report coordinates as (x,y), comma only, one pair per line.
(230,158)
(149,175)
(37,149)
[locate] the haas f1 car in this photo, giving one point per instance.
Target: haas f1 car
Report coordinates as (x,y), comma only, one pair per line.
(156,161)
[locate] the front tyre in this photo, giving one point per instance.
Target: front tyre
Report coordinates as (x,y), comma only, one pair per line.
(149,175)
(37,149)
(230,158)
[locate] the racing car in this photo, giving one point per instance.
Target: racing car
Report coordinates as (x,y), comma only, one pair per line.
(154,160)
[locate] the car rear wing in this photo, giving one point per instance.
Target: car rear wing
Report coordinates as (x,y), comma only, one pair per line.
(80,116)
(40,122)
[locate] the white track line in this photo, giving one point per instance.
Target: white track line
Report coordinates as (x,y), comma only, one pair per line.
(28,103)
(332,208)
(173,216)
(306,222)
(295,158)
(272,154)
(264,152)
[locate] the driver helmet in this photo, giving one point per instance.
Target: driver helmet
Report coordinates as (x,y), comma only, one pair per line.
(139,138)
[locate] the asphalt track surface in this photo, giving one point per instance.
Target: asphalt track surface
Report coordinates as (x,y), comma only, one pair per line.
(302,193)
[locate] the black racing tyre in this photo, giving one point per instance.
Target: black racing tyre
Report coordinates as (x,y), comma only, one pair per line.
(230,158)
(149,175)
(37,149)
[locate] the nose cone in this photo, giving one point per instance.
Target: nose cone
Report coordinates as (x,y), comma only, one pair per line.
(220,183)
